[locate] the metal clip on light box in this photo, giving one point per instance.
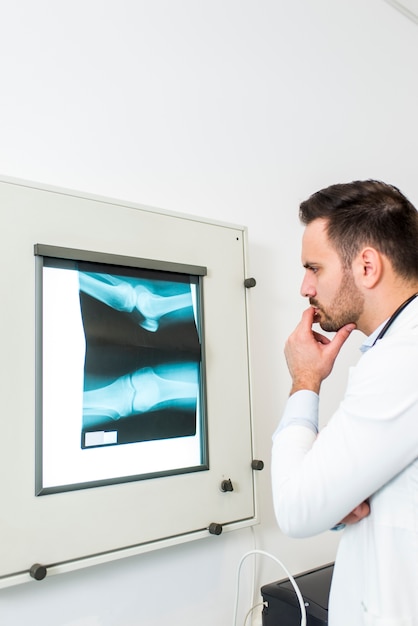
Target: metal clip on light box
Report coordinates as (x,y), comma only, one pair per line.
(226,485)
(215,529)
(37,571)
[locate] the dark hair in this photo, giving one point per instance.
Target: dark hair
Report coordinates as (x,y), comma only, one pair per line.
(365,213)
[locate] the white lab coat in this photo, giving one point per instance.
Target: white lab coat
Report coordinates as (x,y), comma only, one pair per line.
(369,449)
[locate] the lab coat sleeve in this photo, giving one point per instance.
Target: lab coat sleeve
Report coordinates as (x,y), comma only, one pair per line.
(373,436)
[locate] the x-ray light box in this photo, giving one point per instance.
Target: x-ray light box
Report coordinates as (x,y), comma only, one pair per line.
(126,422)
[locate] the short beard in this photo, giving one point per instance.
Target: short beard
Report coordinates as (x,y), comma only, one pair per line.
(346,307)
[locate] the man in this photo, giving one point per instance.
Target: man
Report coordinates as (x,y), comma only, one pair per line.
(360,253)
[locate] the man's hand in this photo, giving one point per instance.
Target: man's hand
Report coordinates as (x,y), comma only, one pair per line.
(361,511)
(310,356)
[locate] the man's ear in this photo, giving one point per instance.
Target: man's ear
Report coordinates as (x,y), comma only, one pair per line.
(368,267)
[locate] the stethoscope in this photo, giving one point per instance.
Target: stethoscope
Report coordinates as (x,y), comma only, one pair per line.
(393,318)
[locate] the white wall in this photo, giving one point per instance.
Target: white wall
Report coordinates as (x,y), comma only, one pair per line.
(234,110)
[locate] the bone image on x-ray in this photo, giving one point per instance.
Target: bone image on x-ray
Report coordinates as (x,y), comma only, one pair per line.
(123,296)
(141,391)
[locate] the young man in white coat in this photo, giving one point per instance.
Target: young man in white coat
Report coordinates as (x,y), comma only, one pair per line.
(360,253)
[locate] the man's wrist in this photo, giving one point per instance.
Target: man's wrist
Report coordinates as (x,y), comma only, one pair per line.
(305,385)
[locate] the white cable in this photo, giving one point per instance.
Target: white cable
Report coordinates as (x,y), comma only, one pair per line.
(254,576)
(251,610)
(292,580)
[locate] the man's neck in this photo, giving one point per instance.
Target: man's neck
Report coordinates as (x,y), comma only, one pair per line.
(385,306)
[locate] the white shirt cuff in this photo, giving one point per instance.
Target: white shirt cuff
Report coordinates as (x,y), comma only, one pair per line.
(301,410)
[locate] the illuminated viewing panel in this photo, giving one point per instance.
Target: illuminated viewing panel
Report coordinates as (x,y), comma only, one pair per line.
(121,377)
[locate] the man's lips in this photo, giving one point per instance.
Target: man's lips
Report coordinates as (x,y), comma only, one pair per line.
(317,313)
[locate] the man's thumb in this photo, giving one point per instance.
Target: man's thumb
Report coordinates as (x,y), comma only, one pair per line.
(342,335)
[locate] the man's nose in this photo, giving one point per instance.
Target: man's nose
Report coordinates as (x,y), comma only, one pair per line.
(307,289)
